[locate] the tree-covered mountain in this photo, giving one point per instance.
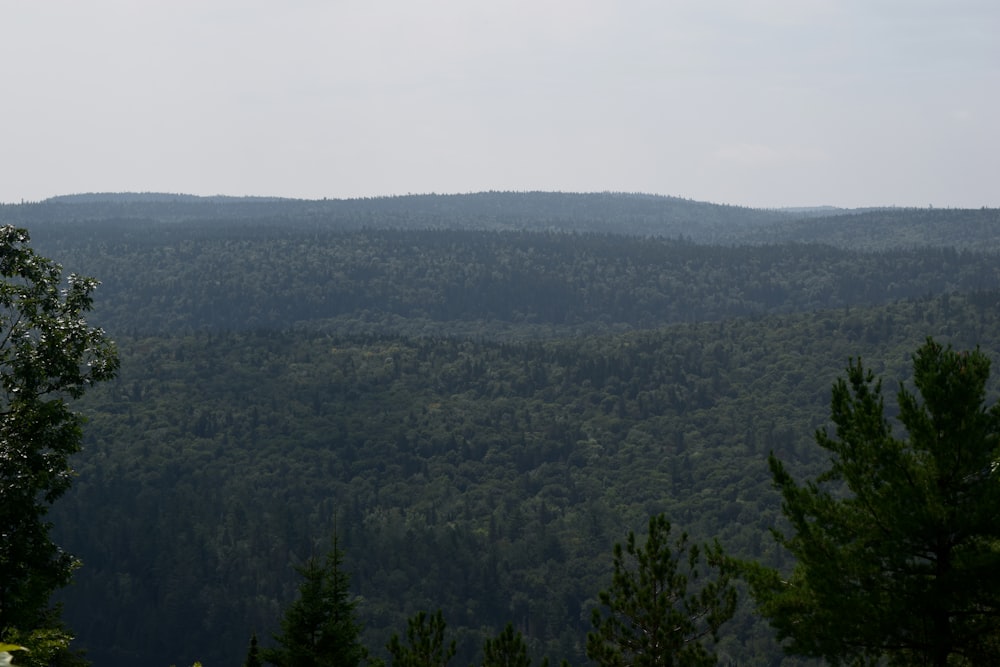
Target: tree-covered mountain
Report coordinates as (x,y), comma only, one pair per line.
(614,213)
(618,213)
(488,479)
(480,393)
(883,229)
(187,277)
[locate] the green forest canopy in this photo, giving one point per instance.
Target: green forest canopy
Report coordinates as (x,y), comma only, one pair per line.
(482,396)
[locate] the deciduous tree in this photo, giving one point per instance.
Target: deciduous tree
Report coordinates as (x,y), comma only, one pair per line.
(49,355)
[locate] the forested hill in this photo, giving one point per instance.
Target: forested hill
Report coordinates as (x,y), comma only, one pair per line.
(483,392)
(614,213)
(185,277)
(485,479)
(881,229)
(632,214)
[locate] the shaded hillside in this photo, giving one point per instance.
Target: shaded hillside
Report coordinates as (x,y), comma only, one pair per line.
(187,277)
(881,229)
(486,479)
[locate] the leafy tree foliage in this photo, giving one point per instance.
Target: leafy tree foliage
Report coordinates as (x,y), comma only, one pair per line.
(661,605)
(48,355)
(319,628)
(903,566)
(426,646)
(5,653)
(49,647)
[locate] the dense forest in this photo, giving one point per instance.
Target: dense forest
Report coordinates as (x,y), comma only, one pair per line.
(480,394)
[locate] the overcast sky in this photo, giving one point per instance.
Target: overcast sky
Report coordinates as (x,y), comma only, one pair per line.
(751,102)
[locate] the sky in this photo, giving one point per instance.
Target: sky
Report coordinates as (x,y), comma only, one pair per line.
(762,103)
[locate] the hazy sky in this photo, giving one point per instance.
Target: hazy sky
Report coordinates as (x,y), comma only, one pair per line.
(752,102)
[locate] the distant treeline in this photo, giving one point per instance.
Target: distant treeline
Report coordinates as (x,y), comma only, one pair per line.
(615,213)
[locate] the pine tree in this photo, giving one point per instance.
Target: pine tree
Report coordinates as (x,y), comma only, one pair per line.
(319,629)
(426,646)
(253,653)
(661,606)
(508,649)
(898,543)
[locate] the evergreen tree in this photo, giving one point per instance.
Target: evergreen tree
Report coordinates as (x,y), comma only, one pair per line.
(319,629)
(426,646)
(661,607)
(508,649)
(898,543)
(253,653)
(48,354)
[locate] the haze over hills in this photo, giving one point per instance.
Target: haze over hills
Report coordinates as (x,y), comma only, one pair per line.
(616,213)
(604,212)
(151,197)
(159,197)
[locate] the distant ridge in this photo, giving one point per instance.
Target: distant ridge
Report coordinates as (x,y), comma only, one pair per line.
(618,213)
(152,198)
(170,197)
(803,212)
(813,210)
(600,212)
